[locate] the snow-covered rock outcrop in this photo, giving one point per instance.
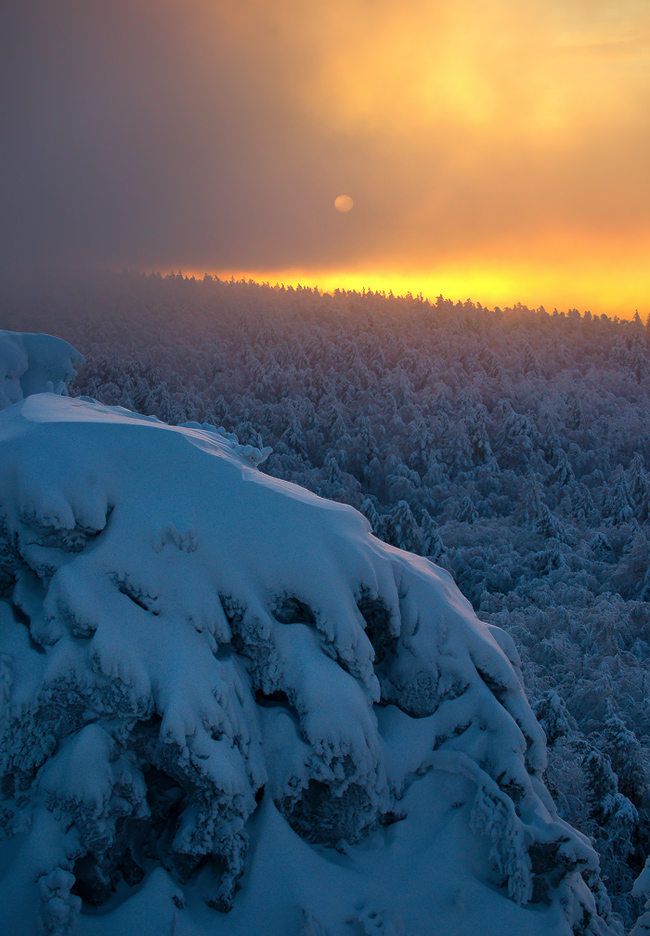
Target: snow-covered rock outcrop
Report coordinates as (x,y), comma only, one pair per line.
(213,681)
(34,364)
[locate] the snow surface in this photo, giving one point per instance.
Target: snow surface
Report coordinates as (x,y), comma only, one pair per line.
(227,708)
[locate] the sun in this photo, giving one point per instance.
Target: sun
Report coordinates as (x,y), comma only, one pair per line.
(343,203)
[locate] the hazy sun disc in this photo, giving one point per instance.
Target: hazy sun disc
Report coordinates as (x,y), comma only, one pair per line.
(343,203)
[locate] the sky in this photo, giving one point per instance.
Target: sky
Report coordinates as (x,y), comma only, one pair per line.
(493,149)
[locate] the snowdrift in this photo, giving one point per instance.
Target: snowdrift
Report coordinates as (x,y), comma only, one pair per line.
(225,707)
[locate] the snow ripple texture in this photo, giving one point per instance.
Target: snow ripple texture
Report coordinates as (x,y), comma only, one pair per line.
(185,642)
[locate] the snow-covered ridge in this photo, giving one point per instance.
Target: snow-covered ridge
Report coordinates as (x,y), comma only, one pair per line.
(212,672)
(34,364)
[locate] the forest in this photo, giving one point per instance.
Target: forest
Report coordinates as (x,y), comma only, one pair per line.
(509,446)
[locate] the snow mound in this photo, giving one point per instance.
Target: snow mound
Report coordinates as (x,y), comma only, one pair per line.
(34,364)
(211,680)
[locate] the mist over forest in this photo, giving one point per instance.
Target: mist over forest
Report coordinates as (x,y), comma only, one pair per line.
(510,446)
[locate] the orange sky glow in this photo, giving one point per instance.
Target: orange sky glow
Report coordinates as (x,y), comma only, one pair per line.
(599,277)
(493,149)
(502,146)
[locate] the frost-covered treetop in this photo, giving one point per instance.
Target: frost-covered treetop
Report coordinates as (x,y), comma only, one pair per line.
(192,653)
(34,364)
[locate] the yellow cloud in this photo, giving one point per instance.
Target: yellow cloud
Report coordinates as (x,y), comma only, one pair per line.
(486,72)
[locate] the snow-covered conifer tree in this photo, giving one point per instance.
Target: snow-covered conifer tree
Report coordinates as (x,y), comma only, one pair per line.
(627,758)
(197,658)
(552,715)
(432,545)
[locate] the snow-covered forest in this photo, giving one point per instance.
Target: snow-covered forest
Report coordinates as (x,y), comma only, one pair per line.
(511,446)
